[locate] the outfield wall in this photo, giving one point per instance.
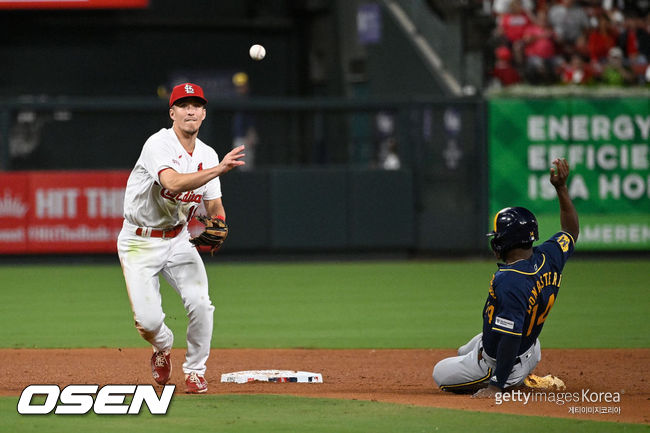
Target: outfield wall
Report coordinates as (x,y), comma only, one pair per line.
(318,184)
(282,209)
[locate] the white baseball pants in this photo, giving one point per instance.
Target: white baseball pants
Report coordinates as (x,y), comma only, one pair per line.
(472,368)
(143,259)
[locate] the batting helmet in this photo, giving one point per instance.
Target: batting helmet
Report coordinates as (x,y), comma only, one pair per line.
(514,227)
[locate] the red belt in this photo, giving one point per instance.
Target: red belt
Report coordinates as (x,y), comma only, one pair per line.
(159,233)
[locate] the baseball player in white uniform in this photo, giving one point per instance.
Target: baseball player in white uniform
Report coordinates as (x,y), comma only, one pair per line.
(175,173)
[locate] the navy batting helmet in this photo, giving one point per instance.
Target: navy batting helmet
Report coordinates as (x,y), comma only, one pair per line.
(514,227)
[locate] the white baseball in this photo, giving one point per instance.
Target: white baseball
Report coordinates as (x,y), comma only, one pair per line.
(257,52)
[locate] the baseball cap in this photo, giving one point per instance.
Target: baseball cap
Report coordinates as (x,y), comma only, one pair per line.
(187,90)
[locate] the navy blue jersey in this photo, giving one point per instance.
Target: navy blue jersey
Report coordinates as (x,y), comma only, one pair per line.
(522,294)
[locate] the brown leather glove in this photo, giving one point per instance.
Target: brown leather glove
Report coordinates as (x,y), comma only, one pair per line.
(214,235)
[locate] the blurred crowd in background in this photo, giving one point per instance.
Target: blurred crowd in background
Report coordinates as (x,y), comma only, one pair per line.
(579,42)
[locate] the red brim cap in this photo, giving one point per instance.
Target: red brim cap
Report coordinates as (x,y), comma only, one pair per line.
(187,90)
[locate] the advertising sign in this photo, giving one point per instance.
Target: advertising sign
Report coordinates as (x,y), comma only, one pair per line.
(607,145)
(64,211)
(58,211)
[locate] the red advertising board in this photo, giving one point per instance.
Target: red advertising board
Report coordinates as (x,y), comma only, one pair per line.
(49,212)
(73,4)
(61,212)
(14,207)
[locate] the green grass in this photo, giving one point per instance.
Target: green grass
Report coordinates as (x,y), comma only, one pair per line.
(268,414)
(602,303)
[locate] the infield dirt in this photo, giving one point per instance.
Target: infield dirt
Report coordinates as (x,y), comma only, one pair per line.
(386,375)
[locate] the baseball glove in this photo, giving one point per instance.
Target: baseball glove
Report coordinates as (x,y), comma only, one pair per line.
(546,382)
(215,233)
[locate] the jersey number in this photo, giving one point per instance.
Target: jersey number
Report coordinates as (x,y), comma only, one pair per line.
(542,318)
(490,312)
(191,213)
(564,242)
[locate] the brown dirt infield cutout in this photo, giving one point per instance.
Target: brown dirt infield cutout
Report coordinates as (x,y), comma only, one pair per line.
(396,376)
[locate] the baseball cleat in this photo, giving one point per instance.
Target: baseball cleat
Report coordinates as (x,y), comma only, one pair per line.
(195,384)
(161,367)
(545,382)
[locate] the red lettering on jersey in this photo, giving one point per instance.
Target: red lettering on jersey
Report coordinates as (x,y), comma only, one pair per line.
(164,193)
(200,167)
(187,197)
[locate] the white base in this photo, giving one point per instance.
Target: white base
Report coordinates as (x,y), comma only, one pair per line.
(272,376)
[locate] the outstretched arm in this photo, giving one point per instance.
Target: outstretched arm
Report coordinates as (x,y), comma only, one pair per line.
(568,214)
(180,182)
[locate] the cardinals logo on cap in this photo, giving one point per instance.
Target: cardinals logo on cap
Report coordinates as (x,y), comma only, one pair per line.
(187,90)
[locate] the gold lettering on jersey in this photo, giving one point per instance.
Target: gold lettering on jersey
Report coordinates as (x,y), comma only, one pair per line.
(564,242)
(544,280)
(490,312)
(187,197)
(489,308)
(492,294)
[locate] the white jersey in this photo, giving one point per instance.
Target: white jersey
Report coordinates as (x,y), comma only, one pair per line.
(146,202)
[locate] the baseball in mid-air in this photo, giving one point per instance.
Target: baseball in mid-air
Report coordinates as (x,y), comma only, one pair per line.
(257,52)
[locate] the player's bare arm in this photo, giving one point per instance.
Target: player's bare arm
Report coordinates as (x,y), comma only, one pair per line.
(568,214)
(181,182)
(215,208)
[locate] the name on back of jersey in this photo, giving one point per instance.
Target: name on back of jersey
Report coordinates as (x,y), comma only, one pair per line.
(545,279)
